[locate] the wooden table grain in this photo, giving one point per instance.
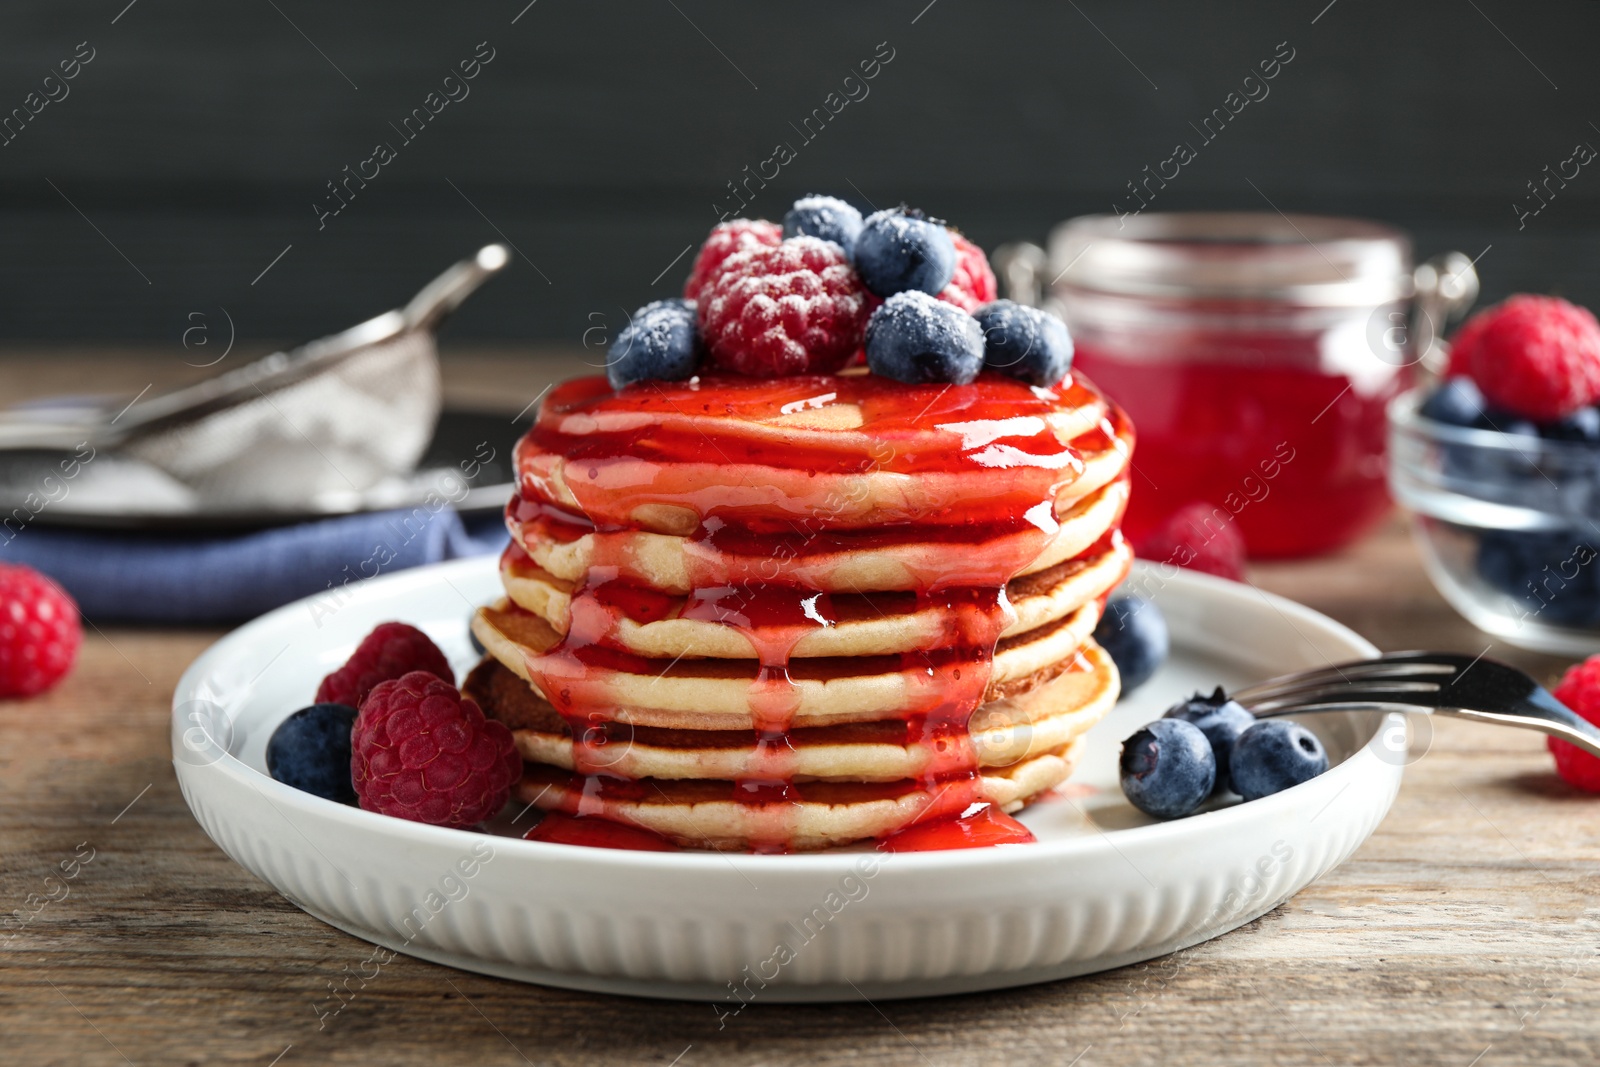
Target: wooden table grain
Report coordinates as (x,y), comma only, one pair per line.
(1465,932)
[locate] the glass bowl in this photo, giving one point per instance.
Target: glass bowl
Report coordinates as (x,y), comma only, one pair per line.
(1508,526)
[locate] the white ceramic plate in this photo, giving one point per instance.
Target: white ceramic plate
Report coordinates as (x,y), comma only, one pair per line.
(1103,887)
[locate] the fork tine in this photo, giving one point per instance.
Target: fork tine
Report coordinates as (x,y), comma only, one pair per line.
(1386,693)
(1442,683)
(1360,671)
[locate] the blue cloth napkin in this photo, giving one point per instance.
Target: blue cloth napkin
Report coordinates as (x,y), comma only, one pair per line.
(226,578)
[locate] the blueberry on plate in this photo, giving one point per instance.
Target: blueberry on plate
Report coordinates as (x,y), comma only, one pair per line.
(1221,720)
(1582,425)
(1024,342)
(1134,633)
(1273,755)
(1457,402)
(916,339)
(662,342)
(824,217)
(902,250)
(310,750)
(1167,768)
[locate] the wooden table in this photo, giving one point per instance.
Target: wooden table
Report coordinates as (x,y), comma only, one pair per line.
(1464,932)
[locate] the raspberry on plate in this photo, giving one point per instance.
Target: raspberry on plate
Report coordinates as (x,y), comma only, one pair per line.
(973,284)
(39,632)
(1535,356)
(797,308)
(392,649)
(727,238)
(1579,690)
(421,751)
(1201,537)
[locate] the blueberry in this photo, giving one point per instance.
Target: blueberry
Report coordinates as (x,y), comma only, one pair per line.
(661,342)
(1582,425)
(1457,402)
(1505,422)
(824,217)
(1273,755)
(1221,720)
(1167,768)
(916,339)
(901,249)
(310,750)
(1024,342)
(1553,576)
(1134,633)
(1486,466)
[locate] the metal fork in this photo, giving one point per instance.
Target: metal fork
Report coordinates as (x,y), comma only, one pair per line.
(1432,683)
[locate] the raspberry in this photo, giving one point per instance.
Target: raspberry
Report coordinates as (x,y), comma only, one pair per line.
(739,235)
(973,284)
(1580,691)
(795,309)
(389,651)
(39,632)
(1535,356)
(421,751)
(1201,537)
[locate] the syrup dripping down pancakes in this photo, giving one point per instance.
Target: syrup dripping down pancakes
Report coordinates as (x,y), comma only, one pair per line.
(795,613)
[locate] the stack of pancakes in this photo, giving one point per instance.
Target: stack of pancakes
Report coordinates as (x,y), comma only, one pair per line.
(794,614)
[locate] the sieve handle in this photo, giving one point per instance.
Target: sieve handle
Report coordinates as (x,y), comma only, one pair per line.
(444,294)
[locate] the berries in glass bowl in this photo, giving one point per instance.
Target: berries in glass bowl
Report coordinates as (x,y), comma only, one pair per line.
(1499,466)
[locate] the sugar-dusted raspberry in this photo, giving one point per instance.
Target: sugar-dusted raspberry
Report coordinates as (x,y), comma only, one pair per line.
(1580,691)
(389,651)
(1535,356)
(973,283)
(1199,536)
(798,308)
(421,751)
(39,632)
(727,238)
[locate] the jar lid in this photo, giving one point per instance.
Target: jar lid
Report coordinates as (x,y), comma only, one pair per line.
(1305,260)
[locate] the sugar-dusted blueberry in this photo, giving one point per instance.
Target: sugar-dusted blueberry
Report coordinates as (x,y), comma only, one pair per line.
(1024,342)
(1221,720)
(1273,755)
(825,217)
(661,342)
(915,338)
(1134,633)
(1457,402)
(902,250)
(310,750)
(1167,768)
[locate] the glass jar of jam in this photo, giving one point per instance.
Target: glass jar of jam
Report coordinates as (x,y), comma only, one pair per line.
(1255,354)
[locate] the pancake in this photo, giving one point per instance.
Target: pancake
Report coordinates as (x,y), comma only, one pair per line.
(1005,731)
(715,694)
(703,813)
(858,624)
(743,448)
(831,563)
(792,613)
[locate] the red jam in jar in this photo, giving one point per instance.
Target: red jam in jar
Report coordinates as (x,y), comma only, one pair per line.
(1256,353)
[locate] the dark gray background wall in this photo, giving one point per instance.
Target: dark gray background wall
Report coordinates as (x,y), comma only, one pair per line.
(195,144)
